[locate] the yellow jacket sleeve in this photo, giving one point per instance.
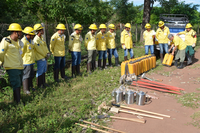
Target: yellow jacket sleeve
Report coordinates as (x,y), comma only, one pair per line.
(87,38)
(52,44)
(3,49)
(183,32)
(122,38)
(24,49)
(97,42)
(46,48)
(71,40)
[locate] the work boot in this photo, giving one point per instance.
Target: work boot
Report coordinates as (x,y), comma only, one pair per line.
(189,60)
(62,73)
(181,66)
(44,81)
(30,82)
(104,64)
(110,62)
(176,63)
(161,58)
(117,61)
(16,94)
(99,64)
(26,86)
(39,81)
(132,57)
(125,58)
(93,65)
(89,68)
(78,70)
(73,71)
(56,74)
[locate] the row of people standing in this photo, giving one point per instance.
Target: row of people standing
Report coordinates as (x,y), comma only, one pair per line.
(163,37)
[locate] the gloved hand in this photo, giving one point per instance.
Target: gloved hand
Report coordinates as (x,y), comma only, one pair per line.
(193,45)
(124,47)
(69,51)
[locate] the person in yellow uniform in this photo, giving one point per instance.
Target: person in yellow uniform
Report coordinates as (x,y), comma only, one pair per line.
(181,46)
(126,41)
(57,47)
(110,38)
(75,40)
(190,40)
(90,45)
(149,36)
(101,46)
(162,37)
(11,57)
(28,59)
(41,55)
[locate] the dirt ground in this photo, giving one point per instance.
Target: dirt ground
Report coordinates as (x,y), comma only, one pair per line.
(188,79)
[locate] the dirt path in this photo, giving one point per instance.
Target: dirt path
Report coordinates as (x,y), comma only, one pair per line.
(187,78)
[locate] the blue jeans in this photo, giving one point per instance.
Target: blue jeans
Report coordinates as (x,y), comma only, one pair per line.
(130,51)
(76,58)
(102,54)
(112,52)
(163,46)
(41,67)
(147,47)
(59,62)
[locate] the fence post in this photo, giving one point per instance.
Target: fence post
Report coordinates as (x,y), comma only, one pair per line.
(44,35)
(198,29)
(136,34)
(121,27)
(73,24)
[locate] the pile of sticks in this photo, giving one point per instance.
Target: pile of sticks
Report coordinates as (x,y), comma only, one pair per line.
(157,86)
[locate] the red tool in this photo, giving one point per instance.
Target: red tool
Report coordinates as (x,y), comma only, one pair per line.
(162,84)
(159,86)
(153,88)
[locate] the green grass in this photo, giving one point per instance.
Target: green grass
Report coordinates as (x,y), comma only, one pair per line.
(195,119)
(191,100)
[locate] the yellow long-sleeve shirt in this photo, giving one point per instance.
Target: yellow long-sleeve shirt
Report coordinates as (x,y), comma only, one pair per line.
(190,37)
(110,40)
(177,41)
(10,53)
(126,38)
(41,49)
(101,41)
(148,37)
(75,42)
(162,35)
(57,44)
(90,41)
(28,51)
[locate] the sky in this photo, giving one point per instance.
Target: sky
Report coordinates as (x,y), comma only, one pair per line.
(139,2)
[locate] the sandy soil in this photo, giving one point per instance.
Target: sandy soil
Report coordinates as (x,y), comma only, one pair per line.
(188,79)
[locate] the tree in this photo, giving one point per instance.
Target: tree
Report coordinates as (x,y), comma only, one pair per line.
(148,5)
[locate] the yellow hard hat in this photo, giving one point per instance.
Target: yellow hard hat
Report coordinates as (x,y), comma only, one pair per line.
(14,27)
(128,25)
(161,23)
(102,26)
(111,26)
(188,26)
(78,27)
(38,27)
(93,27)
(61,27)
(147,26)
(29,30)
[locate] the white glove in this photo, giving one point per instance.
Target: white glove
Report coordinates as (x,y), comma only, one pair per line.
(124,47)
(193,45)
(153,33)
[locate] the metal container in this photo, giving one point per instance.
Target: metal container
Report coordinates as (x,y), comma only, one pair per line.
(118,95)
(129,97)
(140,98)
